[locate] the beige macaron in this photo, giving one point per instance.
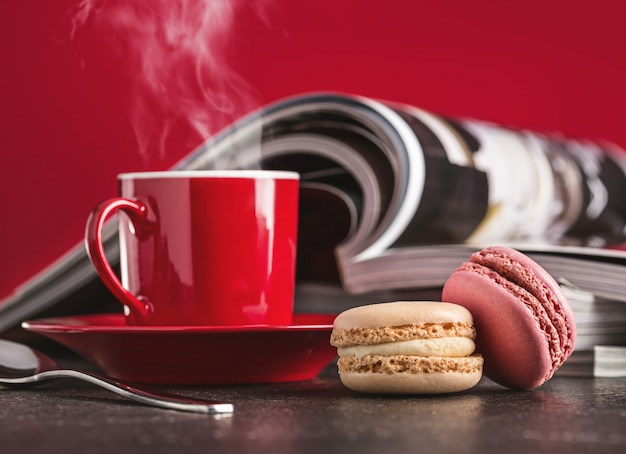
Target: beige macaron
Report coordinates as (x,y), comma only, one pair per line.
(407,347)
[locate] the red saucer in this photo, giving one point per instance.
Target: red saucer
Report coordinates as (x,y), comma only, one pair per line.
(195,354)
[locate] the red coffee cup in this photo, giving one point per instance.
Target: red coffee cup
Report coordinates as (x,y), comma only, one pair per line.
(202,248)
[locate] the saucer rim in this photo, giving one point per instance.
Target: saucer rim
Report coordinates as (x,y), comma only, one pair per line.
(92,323)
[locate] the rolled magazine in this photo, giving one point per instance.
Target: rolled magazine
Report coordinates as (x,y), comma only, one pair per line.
(394,197)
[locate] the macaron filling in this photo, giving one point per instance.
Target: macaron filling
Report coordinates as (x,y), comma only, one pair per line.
(444,346)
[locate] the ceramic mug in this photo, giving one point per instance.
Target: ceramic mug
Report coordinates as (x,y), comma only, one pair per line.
(207,248)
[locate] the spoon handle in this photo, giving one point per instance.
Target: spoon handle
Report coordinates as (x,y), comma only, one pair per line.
(145,396)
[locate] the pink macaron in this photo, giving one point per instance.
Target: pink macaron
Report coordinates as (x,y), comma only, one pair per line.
(525,327)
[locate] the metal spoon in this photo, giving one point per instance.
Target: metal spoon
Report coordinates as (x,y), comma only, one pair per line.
(22,366)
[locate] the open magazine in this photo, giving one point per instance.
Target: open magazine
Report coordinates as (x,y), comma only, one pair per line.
(394,198)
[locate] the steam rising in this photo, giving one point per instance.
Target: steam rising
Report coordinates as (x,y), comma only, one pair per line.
(174,51)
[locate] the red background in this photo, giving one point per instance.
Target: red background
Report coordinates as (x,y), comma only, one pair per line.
(66,102)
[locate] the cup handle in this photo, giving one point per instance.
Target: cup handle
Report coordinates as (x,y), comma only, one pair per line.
(138,214)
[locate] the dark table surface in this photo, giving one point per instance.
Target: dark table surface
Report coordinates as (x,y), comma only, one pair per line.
(570,415)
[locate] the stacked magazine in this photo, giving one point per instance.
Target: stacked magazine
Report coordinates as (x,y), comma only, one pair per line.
(394,198)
